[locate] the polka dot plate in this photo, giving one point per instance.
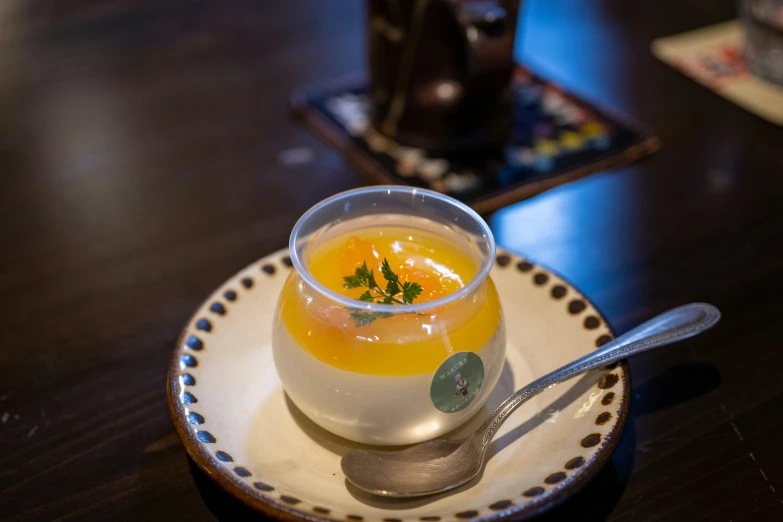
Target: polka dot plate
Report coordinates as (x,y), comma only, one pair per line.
(237,424)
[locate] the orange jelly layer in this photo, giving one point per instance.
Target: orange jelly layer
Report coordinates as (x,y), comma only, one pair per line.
(405,344)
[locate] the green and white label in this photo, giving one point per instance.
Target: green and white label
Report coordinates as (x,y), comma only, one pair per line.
(457,382)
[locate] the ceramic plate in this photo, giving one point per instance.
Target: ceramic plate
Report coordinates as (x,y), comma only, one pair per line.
(237,424)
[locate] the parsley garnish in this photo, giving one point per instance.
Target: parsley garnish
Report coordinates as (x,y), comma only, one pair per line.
(396,292)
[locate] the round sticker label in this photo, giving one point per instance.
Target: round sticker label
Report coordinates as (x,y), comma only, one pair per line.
(457,382)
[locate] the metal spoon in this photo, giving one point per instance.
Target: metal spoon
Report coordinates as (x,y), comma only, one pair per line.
(440,464)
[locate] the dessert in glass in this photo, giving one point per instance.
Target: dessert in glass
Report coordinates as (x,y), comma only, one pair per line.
(389,330)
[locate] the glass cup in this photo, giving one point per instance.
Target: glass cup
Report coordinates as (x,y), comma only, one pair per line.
(390,374)
(763,43)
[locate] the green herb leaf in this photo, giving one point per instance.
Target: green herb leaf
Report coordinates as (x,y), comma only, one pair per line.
(358,279)
(363,318)
(352,282)
(364,277)
(368,276)
(364,273)
(392,288)
(410,291)
(388,273)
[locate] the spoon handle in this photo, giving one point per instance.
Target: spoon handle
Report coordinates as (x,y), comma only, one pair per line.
(669,327)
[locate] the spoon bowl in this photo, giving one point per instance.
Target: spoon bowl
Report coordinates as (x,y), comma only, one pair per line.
(424,469)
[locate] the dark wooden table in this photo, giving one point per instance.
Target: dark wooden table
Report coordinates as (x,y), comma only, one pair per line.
(139,167)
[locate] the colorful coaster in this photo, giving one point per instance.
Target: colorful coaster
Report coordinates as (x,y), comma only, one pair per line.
(556,138)
(712,56)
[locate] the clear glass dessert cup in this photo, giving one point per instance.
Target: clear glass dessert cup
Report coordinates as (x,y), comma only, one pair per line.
(389,374)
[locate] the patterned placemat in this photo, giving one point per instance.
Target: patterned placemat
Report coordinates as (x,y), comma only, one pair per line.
(557,137)
(713,57)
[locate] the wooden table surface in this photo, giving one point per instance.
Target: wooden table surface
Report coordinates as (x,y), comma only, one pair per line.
(140,166)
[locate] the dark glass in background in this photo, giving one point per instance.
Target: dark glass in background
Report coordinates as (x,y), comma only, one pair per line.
(440,71)
(763,46)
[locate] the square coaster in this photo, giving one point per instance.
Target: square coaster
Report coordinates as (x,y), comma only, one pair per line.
(556,138)
(713,57)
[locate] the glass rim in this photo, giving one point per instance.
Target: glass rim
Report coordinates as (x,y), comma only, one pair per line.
(476,281)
